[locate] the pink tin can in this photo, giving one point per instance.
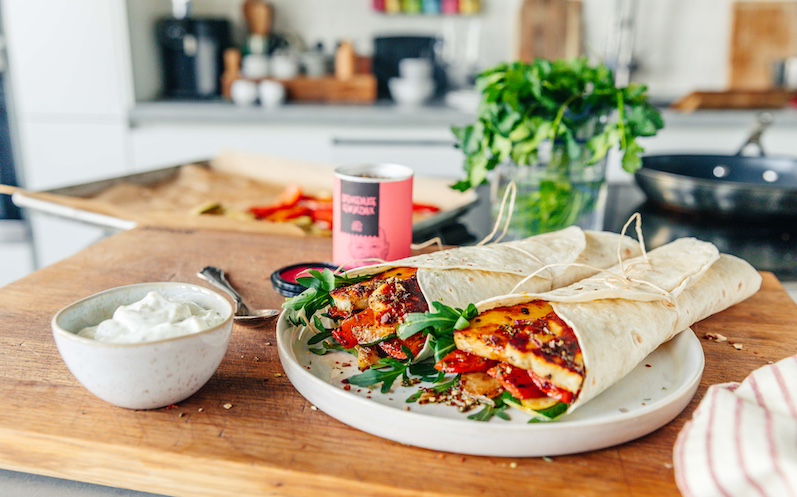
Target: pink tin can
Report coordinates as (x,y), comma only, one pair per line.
(372,214)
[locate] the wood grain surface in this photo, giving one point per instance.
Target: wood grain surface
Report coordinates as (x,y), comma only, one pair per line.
(271,441)
(761,33)
(549,29)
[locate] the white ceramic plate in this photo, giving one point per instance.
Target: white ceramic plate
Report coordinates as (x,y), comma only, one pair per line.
(648,398)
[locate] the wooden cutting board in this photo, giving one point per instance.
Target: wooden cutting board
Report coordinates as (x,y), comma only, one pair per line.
(549,29)
(734,99)
(761,33)
(270,441)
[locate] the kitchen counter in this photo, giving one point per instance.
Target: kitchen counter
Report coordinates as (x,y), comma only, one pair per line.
(271,440)
(215,112)
(385,113)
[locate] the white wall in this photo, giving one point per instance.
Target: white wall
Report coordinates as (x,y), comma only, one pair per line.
(328,21)
(681,45)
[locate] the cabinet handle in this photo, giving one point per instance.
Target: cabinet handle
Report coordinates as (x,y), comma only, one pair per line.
(387,142)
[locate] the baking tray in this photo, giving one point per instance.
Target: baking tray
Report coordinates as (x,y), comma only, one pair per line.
(58,201)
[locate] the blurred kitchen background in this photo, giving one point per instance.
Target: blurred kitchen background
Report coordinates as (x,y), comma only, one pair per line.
(101,89)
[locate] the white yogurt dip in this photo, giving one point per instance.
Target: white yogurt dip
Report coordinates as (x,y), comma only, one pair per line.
(153,318)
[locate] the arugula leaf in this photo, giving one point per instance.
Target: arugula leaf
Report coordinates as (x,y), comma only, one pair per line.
(498,409)
(438,389)
(441,319)
(319,337)
(550,414)
(386,371)
(438,325)
(327,347)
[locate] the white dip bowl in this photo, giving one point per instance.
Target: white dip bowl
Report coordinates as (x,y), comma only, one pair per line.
(142,375)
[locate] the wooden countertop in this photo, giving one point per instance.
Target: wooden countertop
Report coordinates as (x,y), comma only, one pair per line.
(271,441)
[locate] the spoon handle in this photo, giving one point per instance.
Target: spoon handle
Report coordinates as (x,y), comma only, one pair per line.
(217,278)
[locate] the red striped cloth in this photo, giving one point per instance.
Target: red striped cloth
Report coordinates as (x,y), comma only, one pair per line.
(742,438)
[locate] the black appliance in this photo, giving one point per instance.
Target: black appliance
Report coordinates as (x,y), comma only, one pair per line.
(389,50)
(192,51)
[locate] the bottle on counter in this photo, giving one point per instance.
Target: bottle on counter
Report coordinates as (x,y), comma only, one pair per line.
(450,6)
(411,6)
(469,7)
(431,7)
(393,6)
(232,70)
(259,17)
(345,61)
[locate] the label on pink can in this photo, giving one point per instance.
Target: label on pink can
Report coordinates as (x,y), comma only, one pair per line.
(372,214)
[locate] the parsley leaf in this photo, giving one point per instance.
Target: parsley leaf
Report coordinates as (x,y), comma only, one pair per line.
(565,102)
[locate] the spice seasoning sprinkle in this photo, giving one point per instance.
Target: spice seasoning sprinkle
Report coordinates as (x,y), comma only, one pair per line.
(227,406)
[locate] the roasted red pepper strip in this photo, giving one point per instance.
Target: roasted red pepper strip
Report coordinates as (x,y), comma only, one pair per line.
(345,335)
(424,209)
(393,346)
(459,361)
(516,381)
(551,390)
(287,213)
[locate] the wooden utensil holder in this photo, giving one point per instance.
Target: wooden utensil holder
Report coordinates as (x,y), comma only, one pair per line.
(358,89)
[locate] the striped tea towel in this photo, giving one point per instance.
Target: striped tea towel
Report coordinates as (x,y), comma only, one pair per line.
(742,439)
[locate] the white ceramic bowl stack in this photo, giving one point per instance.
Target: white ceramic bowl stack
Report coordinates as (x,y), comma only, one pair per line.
(142,375)
(415,84)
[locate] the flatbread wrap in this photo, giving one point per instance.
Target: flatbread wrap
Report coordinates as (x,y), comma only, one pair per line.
(549,353)
(365,308)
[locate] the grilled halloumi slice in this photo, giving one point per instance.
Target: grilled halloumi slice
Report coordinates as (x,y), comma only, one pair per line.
(352,298)
(394,299)
(388,297)
(528,336)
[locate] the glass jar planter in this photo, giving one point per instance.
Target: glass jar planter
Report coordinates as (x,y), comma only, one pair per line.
(555,192)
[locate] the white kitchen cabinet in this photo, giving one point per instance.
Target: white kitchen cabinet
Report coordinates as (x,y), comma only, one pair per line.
(66,153)
(68,58)
(71,90)
(170,144)
(61,154)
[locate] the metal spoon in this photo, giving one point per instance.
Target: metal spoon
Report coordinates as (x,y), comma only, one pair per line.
(243,315)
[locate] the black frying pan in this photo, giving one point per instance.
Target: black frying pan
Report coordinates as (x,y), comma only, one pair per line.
(723,185)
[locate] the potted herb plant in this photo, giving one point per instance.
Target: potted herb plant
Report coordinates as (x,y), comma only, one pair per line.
(547,127)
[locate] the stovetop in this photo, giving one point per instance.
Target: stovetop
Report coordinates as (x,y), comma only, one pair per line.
(769,245)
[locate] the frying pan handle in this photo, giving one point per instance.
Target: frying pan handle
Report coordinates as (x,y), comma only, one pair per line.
(754,140)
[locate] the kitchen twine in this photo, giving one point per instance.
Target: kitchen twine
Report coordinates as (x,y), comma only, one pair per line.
(509,196)
(615,280)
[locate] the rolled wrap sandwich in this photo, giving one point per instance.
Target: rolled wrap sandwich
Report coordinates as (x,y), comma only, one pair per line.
(548,353)
(368,304)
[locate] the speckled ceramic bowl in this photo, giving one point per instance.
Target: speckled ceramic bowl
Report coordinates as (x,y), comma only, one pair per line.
(142,375)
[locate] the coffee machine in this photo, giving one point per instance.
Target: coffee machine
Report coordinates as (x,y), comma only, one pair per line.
(191,51)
